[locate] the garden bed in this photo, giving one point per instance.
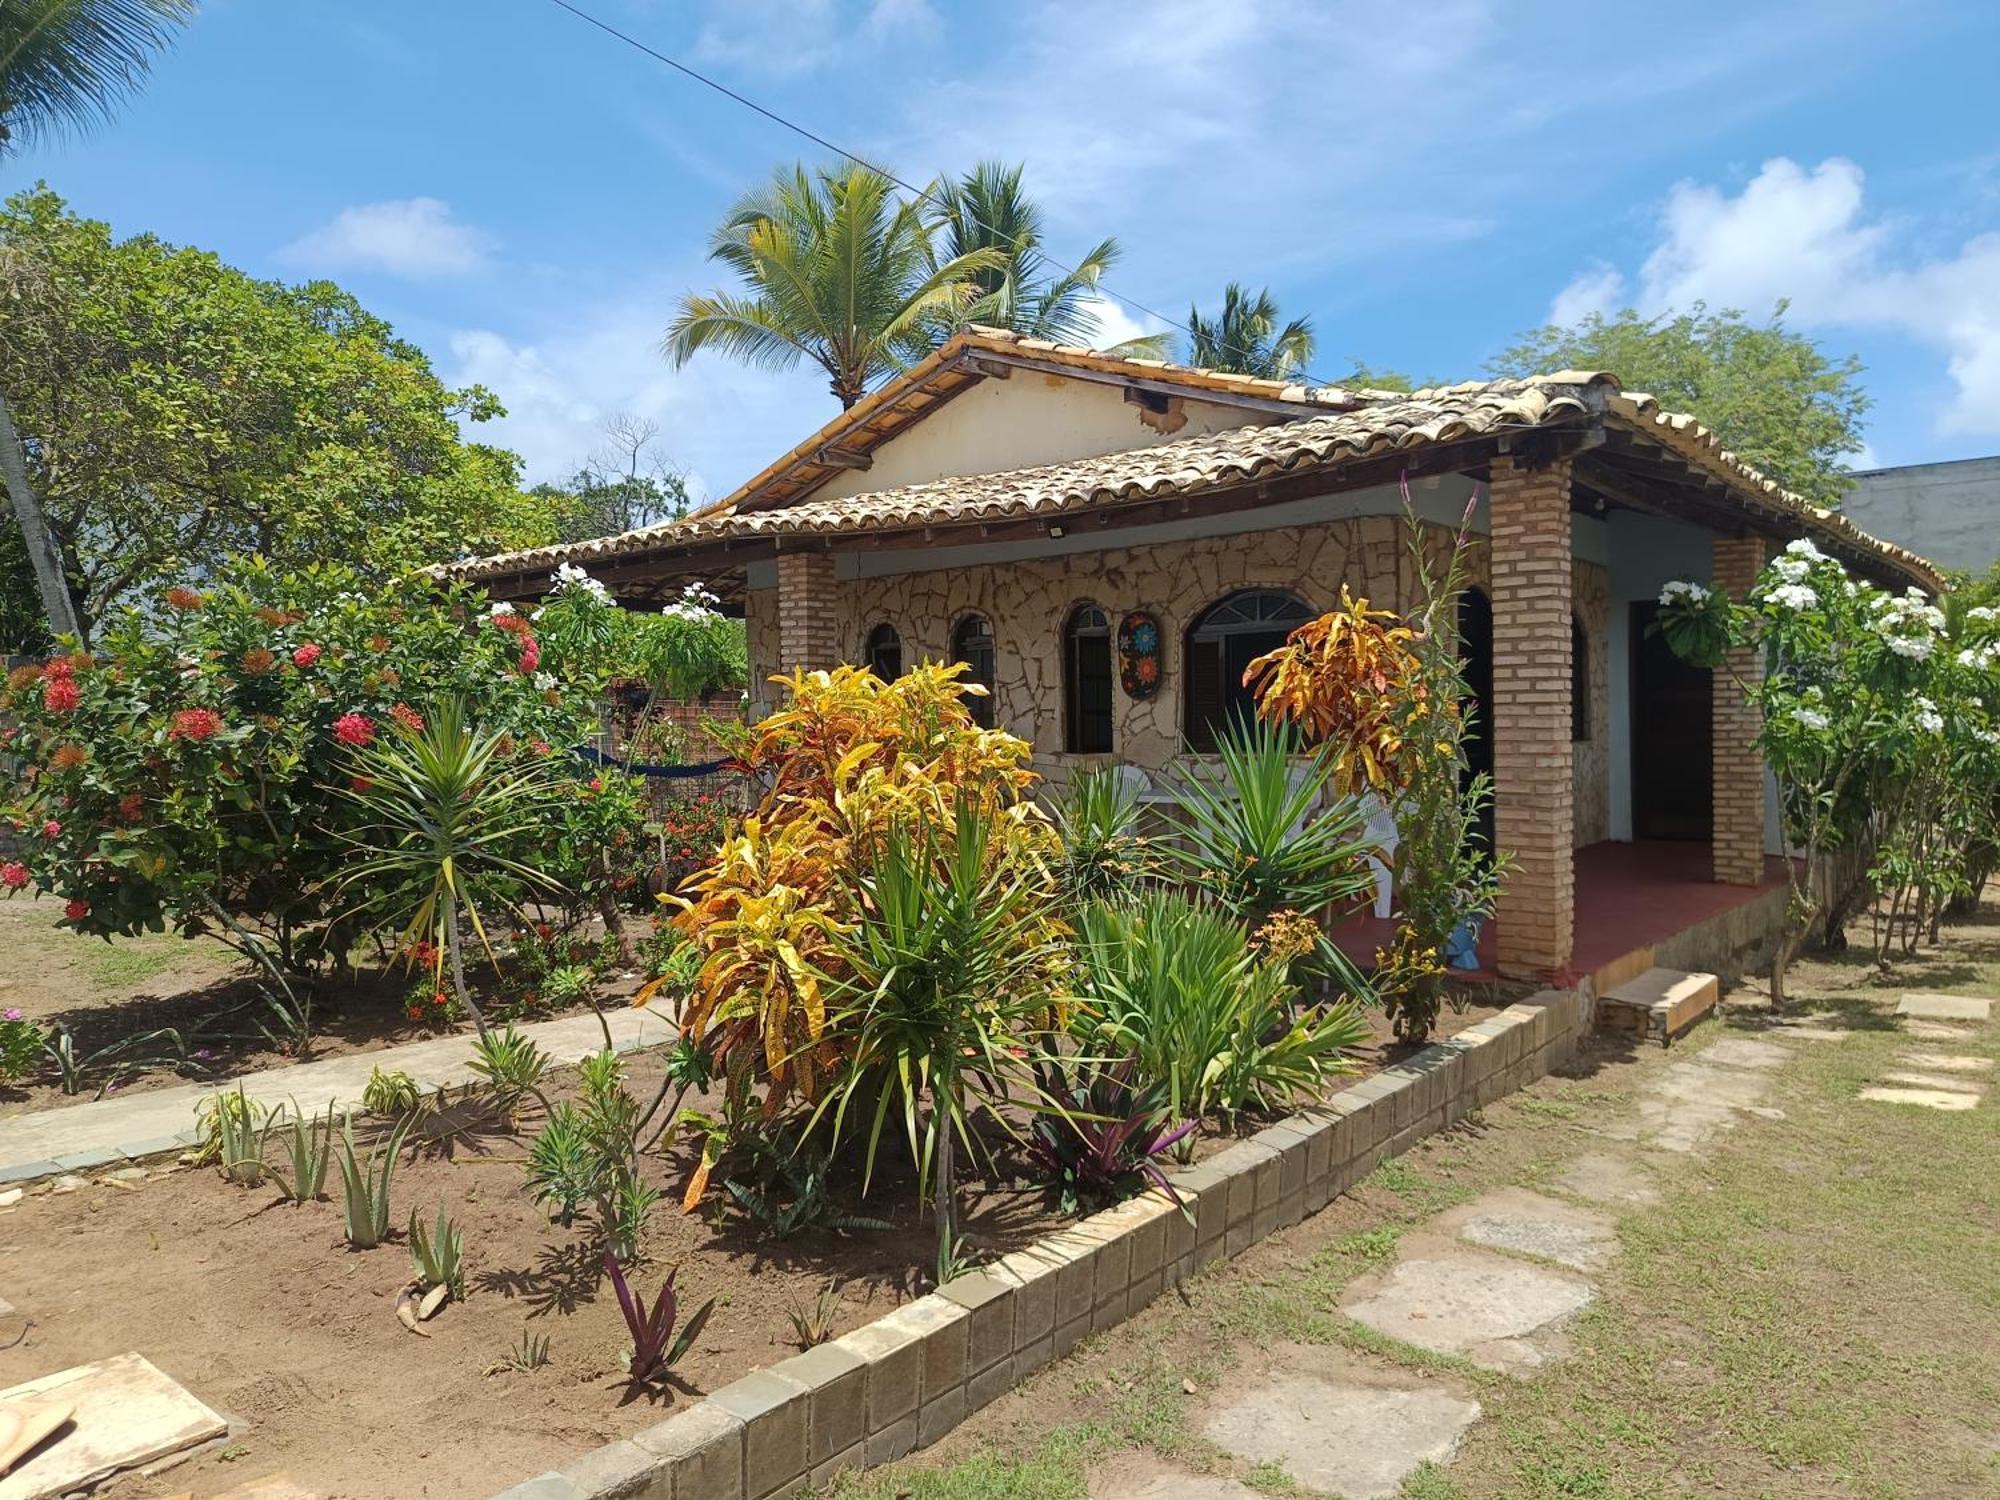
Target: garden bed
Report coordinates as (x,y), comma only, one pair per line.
(261,1310)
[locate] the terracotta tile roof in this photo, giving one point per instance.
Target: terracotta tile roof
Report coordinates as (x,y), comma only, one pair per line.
(1239,455)
(1307,428)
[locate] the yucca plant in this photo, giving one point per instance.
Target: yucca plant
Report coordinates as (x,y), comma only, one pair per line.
(656,1348)
(364,1189)
(512,1065)
(446,808)
(438,1254)
(945,988)
(1258,839)
(1176,986)
(1103,852)
(308,1143)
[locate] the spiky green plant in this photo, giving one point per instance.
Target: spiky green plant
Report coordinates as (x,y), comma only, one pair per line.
(438,1254)
(308,1143)
(1103,852)
(445,812)
(364,1189)
(391,1093)
(1245,337)
(232,1135)
(813,1322)
(512,1065)
(530,1352)
(564,1168)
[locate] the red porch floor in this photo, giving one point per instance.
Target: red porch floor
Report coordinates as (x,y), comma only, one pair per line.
(1628,896)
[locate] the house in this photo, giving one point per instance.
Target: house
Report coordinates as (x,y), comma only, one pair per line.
(1106,542)
(1948,511)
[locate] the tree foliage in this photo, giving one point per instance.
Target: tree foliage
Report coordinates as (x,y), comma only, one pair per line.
(67,62)
(1777,399)
(1246,337)
(177,412)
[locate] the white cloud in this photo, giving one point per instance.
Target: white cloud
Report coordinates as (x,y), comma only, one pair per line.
(1598,290)
(1805,235)
(784,37)
(1116,324)
(403,236)
(723,419)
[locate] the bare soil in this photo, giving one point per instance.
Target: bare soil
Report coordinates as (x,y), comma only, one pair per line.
(262,1310)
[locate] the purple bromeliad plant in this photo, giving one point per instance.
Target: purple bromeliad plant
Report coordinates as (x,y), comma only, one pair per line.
(1108,1135)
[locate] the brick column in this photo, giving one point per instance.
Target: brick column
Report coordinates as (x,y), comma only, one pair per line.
(1738,766)
(808,630)
(1534,808)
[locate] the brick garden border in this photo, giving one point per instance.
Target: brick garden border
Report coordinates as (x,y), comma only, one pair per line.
(905,1380)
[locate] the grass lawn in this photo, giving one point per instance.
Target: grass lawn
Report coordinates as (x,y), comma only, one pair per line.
(1812,1309)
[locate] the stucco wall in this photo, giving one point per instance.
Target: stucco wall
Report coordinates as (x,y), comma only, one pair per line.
(1022,421)
(1027,600)
(1948,512)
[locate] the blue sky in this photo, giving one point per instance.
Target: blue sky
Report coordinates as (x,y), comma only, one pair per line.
(525,197)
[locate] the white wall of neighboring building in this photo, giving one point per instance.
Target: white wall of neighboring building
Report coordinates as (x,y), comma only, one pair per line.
(1947,512)
(1023,421)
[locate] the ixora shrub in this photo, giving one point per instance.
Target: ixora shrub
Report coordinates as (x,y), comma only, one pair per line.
(1878,722)
(195,771)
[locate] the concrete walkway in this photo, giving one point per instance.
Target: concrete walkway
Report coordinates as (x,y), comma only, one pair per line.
(112,1131)
(1496,1281)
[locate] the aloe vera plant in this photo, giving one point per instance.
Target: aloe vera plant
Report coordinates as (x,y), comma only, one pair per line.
(232,1136)
(308,1143)
(364,1191)
(656,1348)
(439,1254)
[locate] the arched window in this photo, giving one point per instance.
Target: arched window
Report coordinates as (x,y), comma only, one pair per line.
(972,643)
(885,652)
(1223,640)
(1579,681)
(1087,681)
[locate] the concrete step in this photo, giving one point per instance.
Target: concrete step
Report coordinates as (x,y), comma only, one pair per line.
(1657,1005)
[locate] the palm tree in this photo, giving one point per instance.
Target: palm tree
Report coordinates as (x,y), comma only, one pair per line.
(63,65)
(1246,339)
(836,268)
(987,210)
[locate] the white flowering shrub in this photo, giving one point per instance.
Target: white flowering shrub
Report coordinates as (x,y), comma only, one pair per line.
(1876,725)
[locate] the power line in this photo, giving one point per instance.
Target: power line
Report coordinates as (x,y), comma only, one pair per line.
(861,161)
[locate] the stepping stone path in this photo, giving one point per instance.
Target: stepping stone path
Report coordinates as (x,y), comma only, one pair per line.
(1946,1008)
(1493,1281)
(1951,1081)
(1699,1096)
(1382,1426)
(1495,1311)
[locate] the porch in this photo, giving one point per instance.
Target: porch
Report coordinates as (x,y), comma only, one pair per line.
(1638,904)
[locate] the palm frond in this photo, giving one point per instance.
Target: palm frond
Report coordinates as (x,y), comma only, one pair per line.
(66,64)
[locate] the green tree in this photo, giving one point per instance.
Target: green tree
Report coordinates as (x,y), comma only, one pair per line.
(63,63)
(1777,399)
(620,488)
(987,210)
(176,412)
(1247,339)
(836,268)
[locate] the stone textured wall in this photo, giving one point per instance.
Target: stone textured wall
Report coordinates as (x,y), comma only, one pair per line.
(1027,603)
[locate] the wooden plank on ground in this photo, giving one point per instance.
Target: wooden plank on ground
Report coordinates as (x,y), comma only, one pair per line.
(127,1415)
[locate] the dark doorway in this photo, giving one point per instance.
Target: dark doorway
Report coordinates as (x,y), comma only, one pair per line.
(1475,651)
(1672,740)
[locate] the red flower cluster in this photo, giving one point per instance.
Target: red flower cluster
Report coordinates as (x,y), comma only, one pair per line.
(513,623)
(428,1010)
(13,875)
(257,661)
(195,724)
(407,719)
(531,655)
(182,597)
(61,694)
(361,785)
(52,829)
(131,807)
(354,729)
(76,911)
(423,954)
(305,656)
(69,757)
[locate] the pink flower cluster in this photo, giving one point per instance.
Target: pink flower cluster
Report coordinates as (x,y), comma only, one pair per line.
(355,729)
